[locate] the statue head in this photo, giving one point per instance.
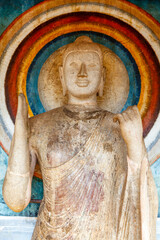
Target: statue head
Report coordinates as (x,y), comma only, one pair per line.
(82,73)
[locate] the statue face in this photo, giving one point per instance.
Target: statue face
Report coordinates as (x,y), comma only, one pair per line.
(82,71)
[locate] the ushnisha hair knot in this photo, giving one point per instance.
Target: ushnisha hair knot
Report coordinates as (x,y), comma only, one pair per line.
(83,43)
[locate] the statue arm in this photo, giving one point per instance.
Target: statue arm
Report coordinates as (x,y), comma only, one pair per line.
(21,162)
(140,181)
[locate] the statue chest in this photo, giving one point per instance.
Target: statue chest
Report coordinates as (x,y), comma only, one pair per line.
(66,141)
(65,144)
(63,137)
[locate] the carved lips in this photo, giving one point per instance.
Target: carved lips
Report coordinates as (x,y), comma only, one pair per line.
(82,82)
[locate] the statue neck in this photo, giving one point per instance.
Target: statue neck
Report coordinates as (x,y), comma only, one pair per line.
(90,101)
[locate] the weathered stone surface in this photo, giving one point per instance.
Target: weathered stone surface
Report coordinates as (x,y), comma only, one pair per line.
(116,84)
(96,176)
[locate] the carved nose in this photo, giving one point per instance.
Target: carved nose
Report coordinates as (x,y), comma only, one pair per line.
(82,71)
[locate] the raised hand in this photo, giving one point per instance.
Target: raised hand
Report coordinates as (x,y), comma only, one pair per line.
(132,132)
(21,123)
(19,152)
(18,177)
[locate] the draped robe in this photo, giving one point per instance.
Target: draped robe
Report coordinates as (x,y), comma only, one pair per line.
(93,194)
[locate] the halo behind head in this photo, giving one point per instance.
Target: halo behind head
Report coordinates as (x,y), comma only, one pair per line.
(83,43)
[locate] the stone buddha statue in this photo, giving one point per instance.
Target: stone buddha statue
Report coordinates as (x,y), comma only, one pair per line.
(96,176)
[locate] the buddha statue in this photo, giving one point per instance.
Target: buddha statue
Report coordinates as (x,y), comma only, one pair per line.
(97,180)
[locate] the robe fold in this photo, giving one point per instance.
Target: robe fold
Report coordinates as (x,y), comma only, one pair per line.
(94,195)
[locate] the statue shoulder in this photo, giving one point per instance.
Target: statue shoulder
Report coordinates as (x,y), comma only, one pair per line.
(45,118)
(113,133)
(109,123)
(109,118)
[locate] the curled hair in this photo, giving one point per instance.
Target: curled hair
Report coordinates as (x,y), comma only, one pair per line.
(83,43)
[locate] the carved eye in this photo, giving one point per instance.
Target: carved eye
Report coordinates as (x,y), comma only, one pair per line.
(74,64)
(92,65)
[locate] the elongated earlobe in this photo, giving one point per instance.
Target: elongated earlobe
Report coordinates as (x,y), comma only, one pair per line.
(101,86)
(62,81)
(100,91)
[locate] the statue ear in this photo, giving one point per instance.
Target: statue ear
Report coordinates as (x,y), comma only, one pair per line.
(62,80)
(103,78)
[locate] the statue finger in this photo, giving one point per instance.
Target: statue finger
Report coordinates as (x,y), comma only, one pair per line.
(135,114)
(126,116)
(20,103)
(136,111)
(118,118)
(130,113)
(22,106)
(25,107)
